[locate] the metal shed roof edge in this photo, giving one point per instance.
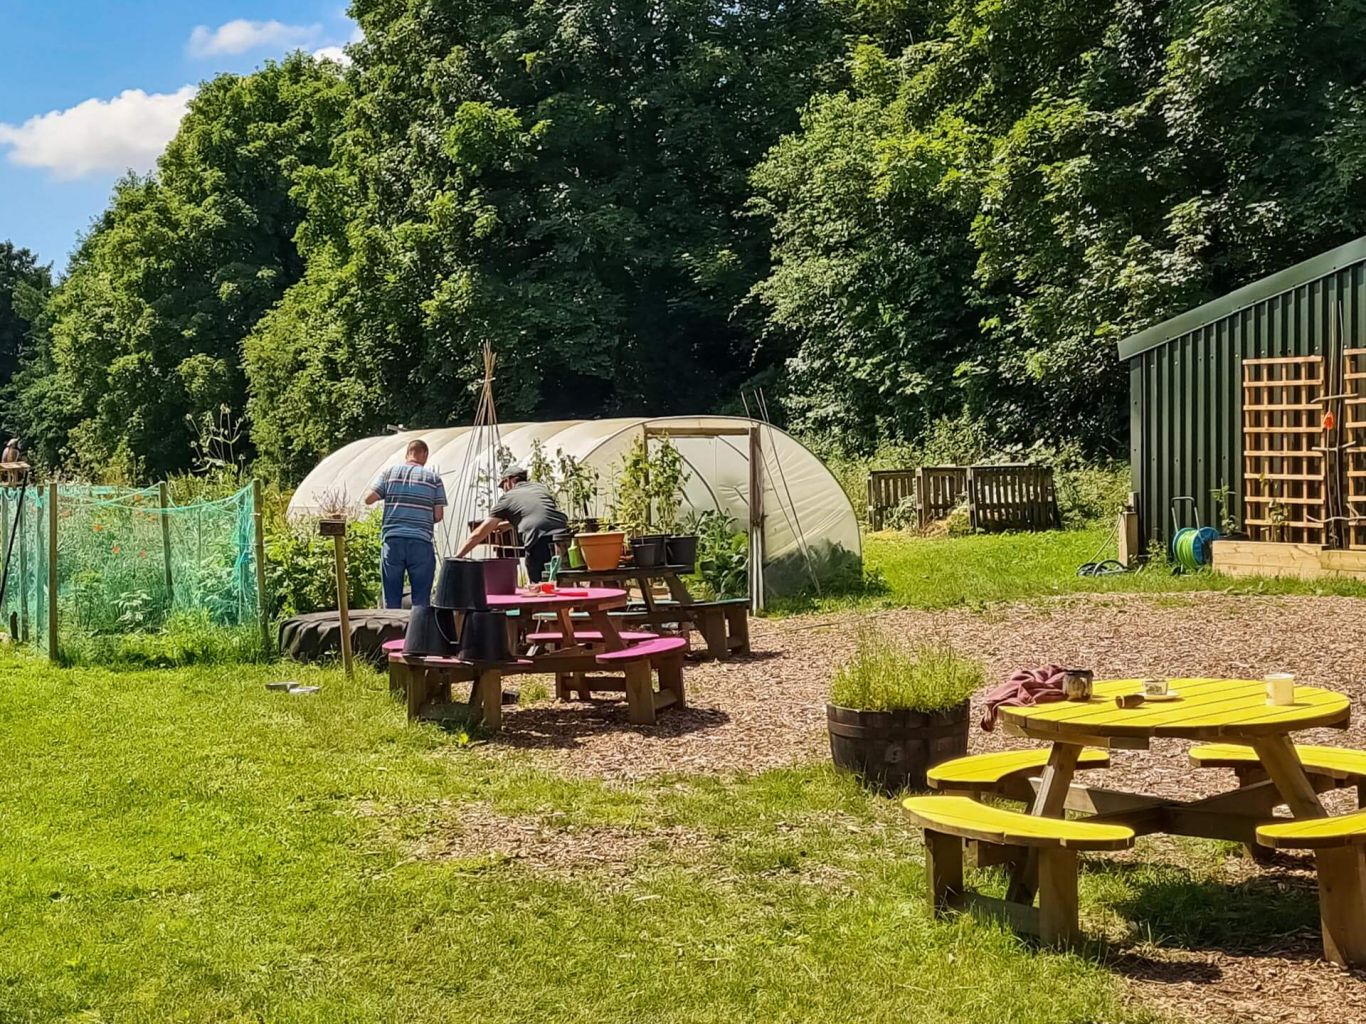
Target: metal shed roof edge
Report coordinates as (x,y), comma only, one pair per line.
(1240,298)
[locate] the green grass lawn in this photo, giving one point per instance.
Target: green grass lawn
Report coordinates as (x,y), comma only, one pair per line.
(183,845)
(974,571)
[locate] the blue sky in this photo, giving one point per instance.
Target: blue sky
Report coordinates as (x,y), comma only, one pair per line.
(90,88)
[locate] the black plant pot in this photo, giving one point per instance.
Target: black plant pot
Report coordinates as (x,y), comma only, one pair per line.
(461,585)
(485,638)
(648,552)
(682,550)
(431,633)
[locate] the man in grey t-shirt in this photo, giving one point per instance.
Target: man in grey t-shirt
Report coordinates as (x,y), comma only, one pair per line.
(531,510)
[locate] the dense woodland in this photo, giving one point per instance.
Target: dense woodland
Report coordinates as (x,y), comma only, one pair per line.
(888,214)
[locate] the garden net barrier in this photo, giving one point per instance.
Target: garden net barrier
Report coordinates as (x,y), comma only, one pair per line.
(137,576)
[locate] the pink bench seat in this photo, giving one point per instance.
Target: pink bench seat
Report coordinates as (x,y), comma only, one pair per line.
(587,636)
(659,647)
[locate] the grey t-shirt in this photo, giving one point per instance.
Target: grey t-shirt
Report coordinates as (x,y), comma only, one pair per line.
(531,509)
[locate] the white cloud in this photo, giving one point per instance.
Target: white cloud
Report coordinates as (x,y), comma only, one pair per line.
(129,131)
(239,36)
(333,53)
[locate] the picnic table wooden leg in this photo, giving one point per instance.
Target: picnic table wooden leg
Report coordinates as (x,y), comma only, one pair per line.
(678,590)
(1057,896)
(1282,763)
(944,866)
(611,636)
(1049,802)
(398,676)
(671,678)
(418,690)
(1342,872)
(1342,904)
(490,683)
(640,698)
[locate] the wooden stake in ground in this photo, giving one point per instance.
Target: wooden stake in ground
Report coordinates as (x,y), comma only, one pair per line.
(339,551)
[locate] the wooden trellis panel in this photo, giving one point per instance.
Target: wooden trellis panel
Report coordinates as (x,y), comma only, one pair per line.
(1354,428)
(1283,473)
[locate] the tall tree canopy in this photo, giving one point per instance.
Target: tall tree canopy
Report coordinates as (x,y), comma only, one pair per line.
(24,288)
(902,210)
(563,179)
(987,211)
(147,328)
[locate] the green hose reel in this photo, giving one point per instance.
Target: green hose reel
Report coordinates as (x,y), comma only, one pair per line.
(1192,547)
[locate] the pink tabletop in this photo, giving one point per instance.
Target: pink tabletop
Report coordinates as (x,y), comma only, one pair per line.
(586,597)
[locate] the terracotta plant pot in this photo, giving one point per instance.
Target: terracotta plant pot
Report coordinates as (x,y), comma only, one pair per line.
(891,750)
(601,551)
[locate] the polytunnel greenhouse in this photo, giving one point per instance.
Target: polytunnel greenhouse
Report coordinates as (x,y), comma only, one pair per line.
(802,527)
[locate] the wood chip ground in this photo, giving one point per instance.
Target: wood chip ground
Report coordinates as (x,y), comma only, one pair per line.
(768,711)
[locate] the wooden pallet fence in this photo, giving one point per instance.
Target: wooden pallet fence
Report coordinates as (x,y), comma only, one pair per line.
(939,490)
(888,488)
(1283,473)
(1012,497)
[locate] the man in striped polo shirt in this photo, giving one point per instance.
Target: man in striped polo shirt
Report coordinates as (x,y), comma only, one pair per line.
(414,502)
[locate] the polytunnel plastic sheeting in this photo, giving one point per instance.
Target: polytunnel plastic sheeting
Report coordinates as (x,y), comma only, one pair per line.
(809,525)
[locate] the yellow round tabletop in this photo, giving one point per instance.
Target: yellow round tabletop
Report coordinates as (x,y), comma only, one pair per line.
(1202,709)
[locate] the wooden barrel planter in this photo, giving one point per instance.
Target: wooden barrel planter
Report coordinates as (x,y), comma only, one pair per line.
(892,750)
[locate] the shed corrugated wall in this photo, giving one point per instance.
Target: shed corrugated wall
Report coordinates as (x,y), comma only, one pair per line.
(1185,377)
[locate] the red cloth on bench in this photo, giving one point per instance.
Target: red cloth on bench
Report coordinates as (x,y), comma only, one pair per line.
(1025,688)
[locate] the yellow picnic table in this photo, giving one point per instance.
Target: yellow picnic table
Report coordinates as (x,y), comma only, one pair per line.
(1205,710)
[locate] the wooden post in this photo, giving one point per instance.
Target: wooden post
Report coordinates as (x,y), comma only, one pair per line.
(262,605)
(164,493)
(52,645)
(339,549)
(23,571)
(756,521)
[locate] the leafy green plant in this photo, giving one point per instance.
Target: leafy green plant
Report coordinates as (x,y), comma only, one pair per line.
(631,500)
(722,555)
(883,675)
(667,478)
(300,572)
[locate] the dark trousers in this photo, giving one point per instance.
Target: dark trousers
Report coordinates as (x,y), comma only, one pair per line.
(538,557)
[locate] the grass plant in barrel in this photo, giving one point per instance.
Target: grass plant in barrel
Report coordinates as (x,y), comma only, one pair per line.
(895,710)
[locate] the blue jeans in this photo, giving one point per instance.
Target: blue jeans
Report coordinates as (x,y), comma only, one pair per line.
(415,557)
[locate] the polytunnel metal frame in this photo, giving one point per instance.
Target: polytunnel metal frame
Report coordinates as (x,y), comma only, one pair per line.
(780,542)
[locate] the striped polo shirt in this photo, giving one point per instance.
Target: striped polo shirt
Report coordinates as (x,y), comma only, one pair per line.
(410,492)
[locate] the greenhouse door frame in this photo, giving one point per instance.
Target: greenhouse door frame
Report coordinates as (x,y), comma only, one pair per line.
(756,494)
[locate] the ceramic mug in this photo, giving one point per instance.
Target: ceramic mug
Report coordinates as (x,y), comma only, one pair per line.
(1077,682)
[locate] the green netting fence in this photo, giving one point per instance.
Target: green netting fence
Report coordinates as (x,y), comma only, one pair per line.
(135,577)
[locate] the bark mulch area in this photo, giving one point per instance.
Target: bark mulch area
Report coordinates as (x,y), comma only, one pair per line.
(767,711)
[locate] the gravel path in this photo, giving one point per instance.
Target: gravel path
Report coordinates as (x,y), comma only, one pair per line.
(768,711)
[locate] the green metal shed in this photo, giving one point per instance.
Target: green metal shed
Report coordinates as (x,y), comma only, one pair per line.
(1185,376)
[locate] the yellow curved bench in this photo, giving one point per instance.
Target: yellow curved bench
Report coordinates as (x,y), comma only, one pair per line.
(964,817)
(987,772)
(1336,762)
(1315,833)
(1053,844)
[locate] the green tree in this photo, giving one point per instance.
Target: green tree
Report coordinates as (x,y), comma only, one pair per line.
(147,327)
(24,287)
(564,180)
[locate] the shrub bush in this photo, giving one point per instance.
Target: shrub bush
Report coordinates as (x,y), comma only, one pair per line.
(300,573)
(884,675)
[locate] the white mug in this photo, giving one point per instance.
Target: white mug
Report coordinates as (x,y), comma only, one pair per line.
(1280,688)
